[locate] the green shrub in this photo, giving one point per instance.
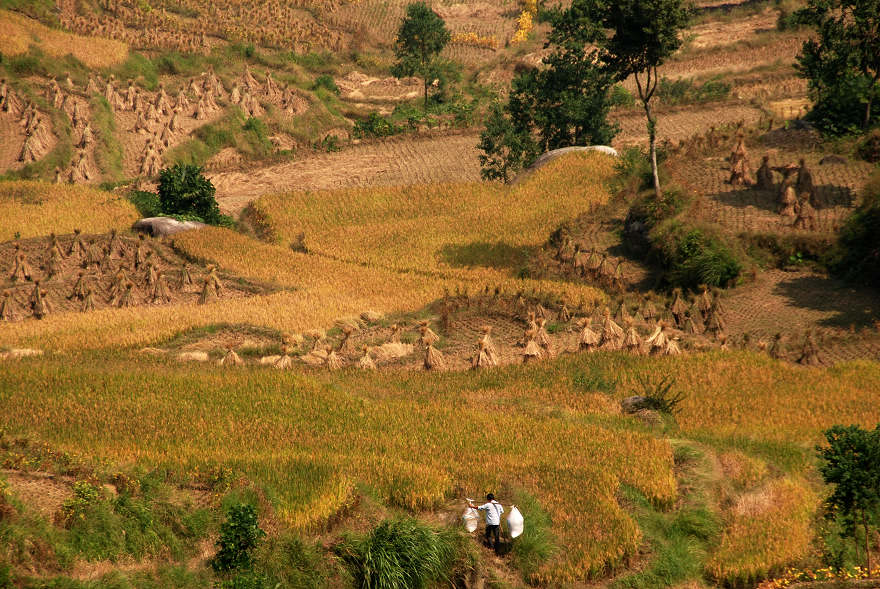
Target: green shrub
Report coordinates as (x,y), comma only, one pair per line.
(239,535)
(685,91)
(856,256)
(693,255)
(327,82)
(620,96)
(184,190)
(375,125)
(399,554)
(659,395)
(147,203)
(868,147)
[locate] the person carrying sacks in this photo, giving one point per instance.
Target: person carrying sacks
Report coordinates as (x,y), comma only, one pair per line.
(493,511)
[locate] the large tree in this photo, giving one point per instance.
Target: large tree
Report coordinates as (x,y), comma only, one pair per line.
(635,38)
(842,65)
(562,104)
(420,39)
(851,462)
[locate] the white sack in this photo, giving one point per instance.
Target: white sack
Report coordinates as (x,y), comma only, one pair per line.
(515,522)
(471,519)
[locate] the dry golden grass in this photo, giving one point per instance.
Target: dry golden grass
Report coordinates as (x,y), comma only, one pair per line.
(20,32)
(424,228)
(30,209)
(417,440)
(766,530)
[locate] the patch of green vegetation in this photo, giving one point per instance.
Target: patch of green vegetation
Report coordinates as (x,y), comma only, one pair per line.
(679,539)
(147,203)
(686,91)
(247,135)
(536,544)
(44,11)
(856,256)
(693,255)
(490,255)
(400,553)
(138,68)
(108,150)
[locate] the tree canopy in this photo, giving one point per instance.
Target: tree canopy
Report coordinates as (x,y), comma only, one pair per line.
(562,104)
(851,463)
(842,65)
(184,190)
(420,39)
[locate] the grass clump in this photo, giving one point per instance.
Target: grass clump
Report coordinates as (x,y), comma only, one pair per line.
(693,255)
(535,546)
(108,151)
(399,554)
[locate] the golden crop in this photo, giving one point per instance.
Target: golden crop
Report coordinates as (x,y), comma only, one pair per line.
(310,439)
(30,209)
(20,32)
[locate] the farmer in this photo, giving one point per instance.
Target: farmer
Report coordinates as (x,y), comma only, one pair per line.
(493,511)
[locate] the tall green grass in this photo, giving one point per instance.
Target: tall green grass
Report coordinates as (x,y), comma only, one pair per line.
(399,554)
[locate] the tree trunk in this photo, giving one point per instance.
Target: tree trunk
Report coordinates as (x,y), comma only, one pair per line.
(652,139)
(867,543)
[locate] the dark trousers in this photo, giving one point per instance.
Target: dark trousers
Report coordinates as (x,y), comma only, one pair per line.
(493,537)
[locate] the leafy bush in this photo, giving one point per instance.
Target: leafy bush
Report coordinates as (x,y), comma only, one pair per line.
(327,82)
(620,96)
(399,554)
(857,254)
(375,125)
(693,255)
(184,190)
(869,147)
(147,203)
(239,535)
(685,91)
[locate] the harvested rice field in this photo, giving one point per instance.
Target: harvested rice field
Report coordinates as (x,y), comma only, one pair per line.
(367,336)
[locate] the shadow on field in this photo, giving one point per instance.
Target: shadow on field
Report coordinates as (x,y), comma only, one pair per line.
(829,194)
(858,306)
(492,255)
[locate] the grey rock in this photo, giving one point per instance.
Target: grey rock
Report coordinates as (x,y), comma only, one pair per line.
(160,226)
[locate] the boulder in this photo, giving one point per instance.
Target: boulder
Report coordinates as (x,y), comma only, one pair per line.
(160,226)
(193,356)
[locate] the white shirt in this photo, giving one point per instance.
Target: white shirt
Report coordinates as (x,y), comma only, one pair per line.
(493,511)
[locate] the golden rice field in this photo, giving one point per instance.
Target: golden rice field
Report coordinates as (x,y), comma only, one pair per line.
(31,209)
(20,32)
(418,440)
(416,227)
(421,439)
(325,288)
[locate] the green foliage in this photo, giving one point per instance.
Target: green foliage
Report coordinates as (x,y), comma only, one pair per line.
(375,125)
(536,544)
(147,203)
(184,190)
(108,150)
(85,497)
(620,96)
(842,65)
(678,540)
(851,462)
(289,561)
(659,395)
(693,255)
(857,254)
(239,536)
(594,380)
(138,68)
(563,104)
(868,147)
(399,554)
(420,39)
(684,91)
(327,82)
